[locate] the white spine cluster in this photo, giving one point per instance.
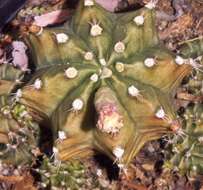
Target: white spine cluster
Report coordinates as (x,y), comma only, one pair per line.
(179,60)
(102,62)
(118,152)
(56,155)
(77,104)
(106,73)
(119,47)
(88,3)
(151,4)
(94,77)
(18,95)
(133,91)
(96,30)
(160,113)
(71,72)
(61,135)
(149,62)
(62,38)
(200,139)
(88,56)
(119,67)
(38,84)
(139,20)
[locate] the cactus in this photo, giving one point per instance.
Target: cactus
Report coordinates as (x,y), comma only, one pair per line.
(192,48)
(103,82)
(185,152)
(68,175)
(186,155)
(18,133)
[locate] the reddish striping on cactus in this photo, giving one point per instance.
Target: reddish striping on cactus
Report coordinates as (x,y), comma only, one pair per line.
(109,121)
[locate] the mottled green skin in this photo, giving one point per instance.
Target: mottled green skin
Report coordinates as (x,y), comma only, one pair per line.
(53,101)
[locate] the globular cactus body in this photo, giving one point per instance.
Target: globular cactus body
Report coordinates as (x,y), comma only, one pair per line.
(104,82)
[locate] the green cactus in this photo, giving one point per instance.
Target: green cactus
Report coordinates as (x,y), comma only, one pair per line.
(185,153)
(8,76)
(67,175)
(18,133)
(192,48)
(103,82)
(188,150)
(71,175)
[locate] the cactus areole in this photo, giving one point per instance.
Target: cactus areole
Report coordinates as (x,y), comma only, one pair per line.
(104,81)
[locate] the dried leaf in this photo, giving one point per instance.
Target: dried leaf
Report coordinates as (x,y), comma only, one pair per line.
(54,17)
(26,183)
(177,27)
(19,182)
(189,97)
(19,56)
(109,5)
